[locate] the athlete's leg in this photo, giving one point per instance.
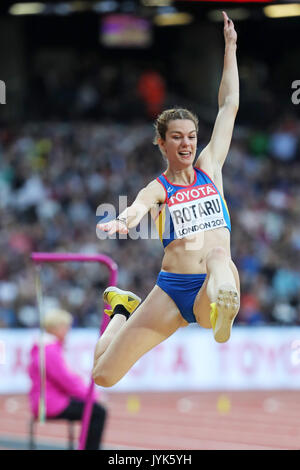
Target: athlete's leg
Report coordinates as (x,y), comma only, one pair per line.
(221,285)
(115,324)
(124,342)
(116,298)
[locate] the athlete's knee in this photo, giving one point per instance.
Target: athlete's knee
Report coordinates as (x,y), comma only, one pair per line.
(216,253)
(102,379)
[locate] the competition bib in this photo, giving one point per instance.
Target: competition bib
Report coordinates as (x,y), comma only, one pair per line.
(196,210)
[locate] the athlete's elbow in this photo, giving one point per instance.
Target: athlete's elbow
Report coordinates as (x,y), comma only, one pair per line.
(135,213)
(232,102)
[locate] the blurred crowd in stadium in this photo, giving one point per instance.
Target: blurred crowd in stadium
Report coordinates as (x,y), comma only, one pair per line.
(53,177)
(87,138)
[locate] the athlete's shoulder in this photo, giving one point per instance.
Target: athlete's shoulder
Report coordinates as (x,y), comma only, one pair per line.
(156,189)
(204,166)
(153,184)
(202,173)
(206,163)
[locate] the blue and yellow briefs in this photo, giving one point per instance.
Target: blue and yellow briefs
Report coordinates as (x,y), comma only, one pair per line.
(183,289)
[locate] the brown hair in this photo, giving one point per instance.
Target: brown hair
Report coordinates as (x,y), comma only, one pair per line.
(161,123)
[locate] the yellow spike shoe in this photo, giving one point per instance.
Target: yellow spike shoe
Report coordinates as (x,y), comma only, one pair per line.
(114,296)
(223,313)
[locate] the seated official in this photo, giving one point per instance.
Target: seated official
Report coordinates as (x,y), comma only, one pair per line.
(65,392)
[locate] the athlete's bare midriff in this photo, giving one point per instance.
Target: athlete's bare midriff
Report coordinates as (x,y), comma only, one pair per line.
(188,255)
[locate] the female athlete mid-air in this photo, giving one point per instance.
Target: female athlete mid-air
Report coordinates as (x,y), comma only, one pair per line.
(198,281)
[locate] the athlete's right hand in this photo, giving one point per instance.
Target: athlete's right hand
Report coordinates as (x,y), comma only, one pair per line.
(230,34)
(113,226)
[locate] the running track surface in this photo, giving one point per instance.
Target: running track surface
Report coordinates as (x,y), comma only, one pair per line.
(253,420)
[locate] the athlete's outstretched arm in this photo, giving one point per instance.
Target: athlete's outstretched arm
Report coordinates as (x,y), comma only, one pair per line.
(229,86)
(148,197)
(214,154)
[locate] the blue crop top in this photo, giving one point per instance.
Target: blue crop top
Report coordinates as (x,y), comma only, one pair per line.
(188,210)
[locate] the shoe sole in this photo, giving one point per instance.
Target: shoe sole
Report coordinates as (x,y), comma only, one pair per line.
(122,292)
(227,307)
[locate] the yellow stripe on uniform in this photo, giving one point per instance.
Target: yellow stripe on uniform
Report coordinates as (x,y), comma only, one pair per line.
(225,203)
(159,217)
(160,222)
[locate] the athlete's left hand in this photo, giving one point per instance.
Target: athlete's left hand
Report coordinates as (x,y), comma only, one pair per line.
(113,226)
(230,34)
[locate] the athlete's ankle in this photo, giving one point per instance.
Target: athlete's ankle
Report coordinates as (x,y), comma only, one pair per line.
(120,310)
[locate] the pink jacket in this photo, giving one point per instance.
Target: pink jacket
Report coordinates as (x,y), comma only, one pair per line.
(61,383)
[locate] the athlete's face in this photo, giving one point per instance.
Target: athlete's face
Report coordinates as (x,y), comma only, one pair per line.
(180,144)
